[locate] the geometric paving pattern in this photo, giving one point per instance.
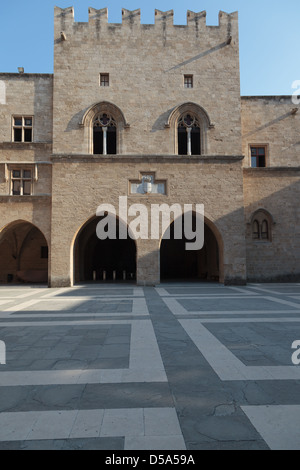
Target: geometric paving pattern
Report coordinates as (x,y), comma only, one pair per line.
(180,366)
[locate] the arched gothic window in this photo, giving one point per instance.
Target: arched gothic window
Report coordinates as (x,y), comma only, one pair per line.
(104,134)
(188,134)
(261,224)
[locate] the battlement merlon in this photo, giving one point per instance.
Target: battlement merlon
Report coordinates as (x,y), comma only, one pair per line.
(64,20)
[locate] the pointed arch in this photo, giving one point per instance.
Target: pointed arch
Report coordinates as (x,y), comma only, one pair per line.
(200,115)
(207,263)
(91,257)
(262,223)
(23,252)
(117,117)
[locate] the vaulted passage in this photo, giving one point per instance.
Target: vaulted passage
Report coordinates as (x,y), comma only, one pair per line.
(103,260)
(176,263)
(23,254)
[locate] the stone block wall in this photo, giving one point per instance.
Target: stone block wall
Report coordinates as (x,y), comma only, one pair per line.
(146,66)
(273,121)
(278,192)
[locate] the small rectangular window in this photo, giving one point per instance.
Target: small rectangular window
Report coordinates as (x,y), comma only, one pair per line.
(22,129)
(188,81)
(21,182)
(104,79)
(258,157)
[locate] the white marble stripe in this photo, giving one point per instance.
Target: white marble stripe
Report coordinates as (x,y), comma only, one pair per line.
(144,351)
(142,426)
(175,307)
(21,306)
(269,291)
(81,376)
(162,292)
(7,301)
(240,312)
(87,299)
(139,306)
(250,320)
(73,315)
(283,302)
(242,290)
(64,323)
(222,297)
(278,425)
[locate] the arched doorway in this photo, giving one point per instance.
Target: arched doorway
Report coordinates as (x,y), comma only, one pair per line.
(178,264)
(23,254)
(103,260)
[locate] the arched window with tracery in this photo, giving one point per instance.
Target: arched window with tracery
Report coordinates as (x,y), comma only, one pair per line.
(103,125)
(261,225)
(190,125)
(188,134)
(104,134)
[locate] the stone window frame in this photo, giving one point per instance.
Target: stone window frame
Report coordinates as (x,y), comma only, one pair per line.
(202,117)
(104,79)
(23,127)
(188,81)
(9,177)
(87,123)
(22,179)
(266,148)
(260,218)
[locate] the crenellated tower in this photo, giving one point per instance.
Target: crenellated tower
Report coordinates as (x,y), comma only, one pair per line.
(145,67)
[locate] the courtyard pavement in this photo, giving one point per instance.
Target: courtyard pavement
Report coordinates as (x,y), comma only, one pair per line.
(176,367)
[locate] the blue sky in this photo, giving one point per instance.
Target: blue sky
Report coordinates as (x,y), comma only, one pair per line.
(269,35)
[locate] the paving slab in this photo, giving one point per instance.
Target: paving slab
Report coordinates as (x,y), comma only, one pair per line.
(174,367)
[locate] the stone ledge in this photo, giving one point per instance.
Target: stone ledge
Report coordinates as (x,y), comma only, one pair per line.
(63,158)
(25,75)
(273,171)
(22,199)
(26,145)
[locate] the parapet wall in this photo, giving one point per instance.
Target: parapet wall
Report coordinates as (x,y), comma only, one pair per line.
(64,18)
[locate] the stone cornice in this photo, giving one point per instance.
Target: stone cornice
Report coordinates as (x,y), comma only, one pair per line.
(217,159)
(26,146)
(273,171)
(36,199)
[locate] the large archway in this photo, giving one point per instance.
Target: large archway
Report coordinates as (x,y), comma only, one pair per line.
(23,254)
(103,260)
(179,264)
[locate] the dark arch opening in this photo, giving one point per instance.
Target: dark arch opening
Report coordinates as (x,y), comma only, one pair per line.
(111,140)
(195,141)
(103,260)
(23,254)
(178,264)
